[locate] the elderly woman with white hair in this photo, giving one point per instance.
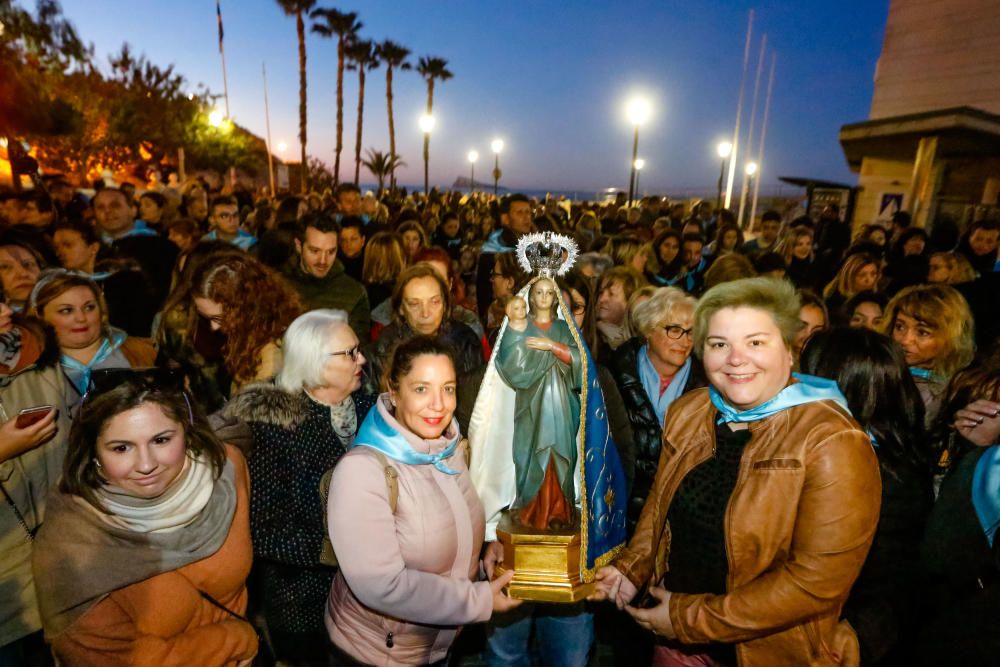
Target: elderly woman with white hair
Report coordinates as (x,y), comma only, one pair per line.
(651,370)
(302,424)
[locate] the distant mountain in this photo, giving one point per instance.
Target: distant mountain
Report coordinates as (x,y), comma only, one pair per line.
(462,183)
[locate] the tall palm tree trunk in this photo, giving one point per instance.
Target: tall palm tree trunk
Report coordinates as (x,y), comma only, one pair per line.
(300,28)
(340,112)
(392,128)
(427,137)
(361,115)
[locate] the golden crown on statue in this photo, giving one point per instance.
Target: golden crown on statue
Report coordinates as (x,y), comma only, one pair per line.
(546,254)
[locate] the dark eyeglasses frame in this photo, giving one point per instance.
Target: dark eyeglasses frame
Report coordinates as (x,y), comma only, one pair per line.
(351,353)
(676,332)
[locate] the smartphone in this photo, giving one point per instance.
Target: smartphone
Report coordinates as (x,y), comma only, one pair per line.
(30,416)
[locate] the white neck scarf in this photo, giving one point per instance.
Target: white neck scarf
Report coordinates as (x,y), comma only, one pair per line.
(176,508)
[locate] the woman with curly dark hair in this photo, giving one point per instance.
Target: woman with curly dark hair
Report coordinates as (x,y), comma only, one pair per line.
(252,306)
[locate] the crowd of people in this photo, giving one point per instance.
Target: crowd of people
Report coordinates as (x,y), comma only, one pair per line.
(233,430)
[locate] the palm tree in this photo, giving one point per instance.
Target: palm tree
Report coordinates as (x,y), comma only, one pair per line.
(360,56)
(381,166)
(431,68)
(394,56)
(299,8)
(345,25)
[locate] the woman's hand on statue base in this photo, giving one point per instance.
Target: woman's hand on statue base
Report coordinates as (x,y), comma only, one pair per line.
(502,601)
(492,555)
(656,619)
(538,343)
(614,586)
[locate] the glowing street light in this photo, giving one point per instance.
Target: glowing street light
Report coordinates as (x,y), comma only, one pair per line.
(749,171)
(751,168)
(638,165)
(638,110)
(426,126)
(497,147)
(724,149)
(473,156)
(282,146)
(215,117)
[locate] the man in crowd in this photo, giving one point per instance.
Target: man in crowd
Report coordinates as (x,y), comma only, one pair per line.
(319,277)
(515,222)
(770,225)
(224,221)
(130,238)
(351,250)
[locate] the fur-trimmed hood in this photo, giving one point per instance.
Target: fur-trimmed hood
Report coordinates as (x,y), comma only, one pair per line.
(267,403)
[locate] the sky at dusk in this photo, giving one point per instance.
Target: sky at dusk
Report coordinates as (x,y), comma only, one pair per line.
(550,78)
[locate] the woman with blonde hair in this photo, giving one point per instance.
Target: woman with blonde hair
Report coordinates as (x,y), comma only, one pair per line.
(797,250)
(385,259)
(414,238)
(628,251)
(860,272)
(935,329)
(950,268)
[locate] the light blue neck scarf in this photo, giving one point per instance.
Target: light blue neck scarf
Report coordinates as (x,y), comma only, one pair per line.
(376,432)
(808,389)
(651,383)
(79,373)
(986,491)
(921,373)
(140,228)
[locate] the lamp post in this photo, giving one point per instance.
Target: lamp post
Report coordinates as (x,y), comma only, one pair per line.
(638,164)
(426,126)
(497,146)
(638,110)
(724,150)
(750,168)
(473,156)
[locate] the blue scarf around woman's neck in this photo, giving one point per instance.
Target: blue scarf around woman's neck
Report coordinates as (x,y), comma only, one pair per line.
(650,378)
(986,491)
(376,432)
(79,373)
(808,389)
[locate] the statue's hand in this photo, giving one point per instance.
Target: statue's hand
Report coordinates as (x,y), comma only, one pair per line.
(538,343)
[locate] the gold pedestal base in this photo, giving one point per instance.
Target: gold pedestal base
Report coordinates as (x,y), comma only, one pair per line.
(546,564)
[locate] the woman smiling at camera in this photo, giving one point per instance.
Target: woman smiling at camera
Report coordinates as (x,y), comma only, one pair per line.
(764,504)
(145,548)
(409,548)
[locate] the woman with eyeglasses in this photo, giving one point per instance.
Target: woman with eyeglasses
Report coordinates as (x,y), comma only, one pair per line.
(302,424)
(651,371)
(73,306)
(408,549)
(145,549)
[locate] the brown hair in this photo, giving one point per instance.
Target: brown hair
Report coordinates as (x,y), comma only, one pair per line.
(944,309)
(257,307)
(628,278)
(419,270)
(407,352)
(384,258)
(843,282)
(727,268)
(50,288)
(80,473)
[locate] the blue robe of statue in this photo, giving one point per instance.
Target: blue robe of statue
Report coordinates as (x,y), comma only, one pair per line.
(547,408)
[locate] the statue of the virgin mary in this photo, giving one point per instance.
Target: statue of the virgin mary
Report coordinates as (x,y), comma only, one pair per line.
(541,452)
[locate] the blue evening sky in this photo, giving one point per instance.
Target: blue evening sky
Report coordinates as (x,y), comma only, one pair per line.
(548,77)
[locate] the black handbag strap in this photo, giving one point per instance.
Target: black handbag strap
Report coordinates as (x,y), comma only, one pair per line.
(28,533)
(223,607)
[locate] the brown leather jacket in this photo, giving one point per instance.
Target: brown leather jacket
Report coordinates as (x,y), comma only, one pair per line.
(798,527)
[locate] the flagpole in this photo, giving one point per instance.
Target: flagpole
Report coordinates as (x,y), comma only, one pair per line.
(744,191)
(739,112)
(763,133)
(222,53)
(267,122)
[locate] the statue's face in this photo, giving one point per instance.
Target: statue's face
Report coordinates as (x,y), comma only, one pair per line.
(543,295)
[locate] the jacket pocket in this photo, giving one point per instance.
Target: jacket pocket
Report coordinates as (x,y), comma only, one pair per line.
(777,464)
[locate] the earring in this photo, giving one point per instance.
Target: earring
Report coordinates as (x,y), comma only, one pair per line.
(97,463)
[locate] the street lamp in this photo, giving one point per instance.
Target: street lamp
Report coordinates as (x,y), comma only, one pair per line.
(426,126)
(724,150)
(282,146)
(497,146)
(749,170)
(638,165)
(473,156)
(215,117)
(638,110)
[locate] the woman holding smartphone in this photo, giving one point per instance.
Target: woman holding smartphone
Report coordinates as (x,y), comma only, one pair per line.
(33,428)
